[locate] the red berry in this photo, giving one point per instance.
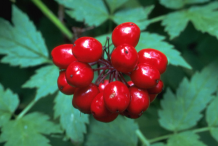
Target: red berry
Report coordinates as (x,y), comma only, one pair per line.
(145,76)
(83,98)
(126,33)
(153,57)
(129,115)
(63,86)
(152,97)
(157,89)
(99,111)
(103,85)
(124,58)
(87,49)
(79,74)
(62,55)
(139,101)
(116,97)
(130,83)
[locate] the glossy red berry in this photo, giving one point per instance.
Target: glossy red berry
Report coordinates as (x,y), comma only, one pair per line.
(62,55)
(139,101)
(79,74)
(130,83)
(108,118)
(124,58)
(103,85)
(157,89)
(116,97)
(127,114)
(126,33)
(152,97)
(153,57)
(145,76)
(63,86)
(87,49)
(83,98)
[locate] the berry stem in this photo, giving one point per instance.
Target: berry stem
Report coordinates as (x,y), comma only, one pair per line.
(142,138)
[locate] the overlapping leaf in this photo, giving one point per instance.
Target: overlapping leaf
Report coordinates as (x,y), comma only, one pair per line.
(23,44)
(114,4)
(45,80)
(149,40)
(212,118)
(93,12)
(28,131)
(183,110)
(185,139)
(71,119)
(137,15)
(177,4)
(118,133)
(8,104)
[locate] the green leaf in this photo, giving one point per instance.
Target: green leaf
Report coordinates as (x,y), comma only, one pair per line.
(187,138)
(45,80)
(137,15)
(120,132)
(93,12)
(23,44)
(158,144)
(71,119)
(212,117)
(183,110)
(174,28)
(8,104)
(114,4)
(177,4)
(152,40)
(205,19)
(28,130)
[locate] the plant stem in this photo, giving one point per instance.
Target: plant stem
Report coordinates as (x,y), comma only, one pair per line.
(142,138)
(53,18)
(29,106)
(156,19)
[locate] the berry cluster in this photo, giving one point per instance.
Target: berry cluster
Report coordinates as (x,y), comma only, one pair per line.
(110,94)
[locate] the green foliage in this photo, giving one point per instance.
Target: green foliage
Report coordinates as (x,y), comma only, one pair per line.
(183,110)
(185,139)
(114,4)
(22,36)
(158,144)
(44,81)
(71,119)
(8,104)
(113,133)
(28,130)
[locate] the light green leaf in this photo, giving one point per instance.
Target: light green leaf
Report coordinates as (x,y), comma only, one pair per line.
(212,117)
(120,132)
(8,104)
(174,28)
(45,80)
(71,119)
(114,4)
(151,40)
(183,110)
(158,144)
(93,12)
(185,139)
(28,131)
(137,15)
(23,44)
(177,4)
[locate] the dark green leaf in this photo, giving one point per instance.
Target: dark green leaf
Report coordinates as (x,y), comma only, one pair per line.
(120,132)
(212,117)
(71,119)
(93,12)
(28,131)
(183,110)
(137,15)
(174,28)
(8,104)
(151,40)
(185,139)
(176,4)
(45,80)
(23,44)
(158,144)
(114,4)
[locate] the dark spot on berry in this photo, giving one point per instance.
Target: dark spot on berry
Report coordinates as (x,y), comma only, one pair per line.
(62,87)
(131,24)
(117,111)
(126,52)
(112,95)
(74,45)
(71,76)
(157,81)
